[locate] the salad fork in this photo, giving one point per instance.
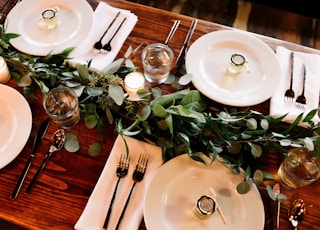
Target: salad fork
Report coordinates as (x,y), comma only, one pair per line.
(122,171)
(137,176)
(107,46)
(98,45)
(289,94)
(301,100)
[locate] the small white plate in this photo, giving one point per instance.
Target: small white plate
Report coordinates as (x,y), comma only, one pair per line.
(208,58)
(175,188)
(75,19)
(15,124)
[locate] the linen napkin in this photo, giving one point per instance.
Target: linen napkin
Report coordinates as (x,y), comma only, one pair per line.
(97,206)
(278,106)
(102,18)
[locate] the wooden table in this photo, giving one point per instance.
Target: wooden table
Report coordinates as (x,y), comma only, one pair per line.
(62,191)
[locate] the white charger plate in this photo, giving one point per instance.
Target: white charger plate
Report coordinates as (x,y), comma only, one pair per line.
(75,21)
(175,188)
(15,124)
(208,58)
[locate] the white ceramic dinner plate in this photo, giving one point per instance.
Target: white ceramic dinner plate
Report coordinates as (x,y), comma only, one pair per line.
(175,188)
(209,56)
(75,19)
(15,124)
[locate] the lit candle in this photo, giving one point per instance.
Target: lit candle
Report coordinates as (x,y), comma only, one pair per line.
(133,82)
(4,71)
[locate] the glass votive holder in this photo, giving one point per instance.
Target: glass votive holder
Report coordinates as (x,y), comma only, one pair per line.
(4,71)
(61,105)
(237,63)
(299,168)
(133,82)
(205,207)
(157,59)
(49,17)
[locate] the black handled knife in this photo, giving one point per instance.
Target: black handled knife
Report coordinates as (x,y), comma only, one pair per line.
(183,51)
(37,140)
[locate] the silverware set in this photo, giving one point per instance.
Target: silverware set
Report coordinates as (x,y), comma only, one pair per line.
(137,176)
(56,143)
(99,46)
(289,95)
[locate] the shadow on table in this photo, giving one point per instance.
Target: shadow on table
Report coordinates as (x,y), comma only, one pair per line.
(8,226)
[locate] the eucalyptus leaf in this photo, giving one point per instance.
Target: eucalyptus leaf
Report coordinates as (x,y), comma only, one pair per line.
(91,121)
(185,79)
(83,71)
(159,110)
(256,150)
(281,197)
(94,149)
(113,67)
(116,93)
(94,92)
(79,90)
(71,142)
(26,80)
(128,52)
(144,112)
(271,193)
(243,187)
(308,143)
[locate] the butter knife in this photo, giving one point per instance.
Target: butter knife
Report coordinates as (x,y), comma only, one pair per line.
(37,140)
(275,207)
(183,50)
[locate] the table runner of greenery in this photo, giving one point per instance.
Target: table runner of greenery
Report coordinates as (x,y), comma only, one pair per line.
(180,122)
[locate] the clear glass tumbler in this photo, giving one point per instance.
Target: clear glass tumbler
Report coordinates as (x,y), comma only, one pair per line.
(157,59)
(61,105)
(299,168)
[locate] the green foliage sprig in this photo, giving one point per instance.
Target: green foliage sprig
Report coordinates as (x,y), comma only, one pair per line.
(182,122)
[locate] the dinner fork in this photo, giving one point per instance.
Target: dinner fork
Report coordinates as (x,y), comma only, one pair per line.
(289,94)
(301,100)
(122,171)
(107,46)
(98,45)
(137,176)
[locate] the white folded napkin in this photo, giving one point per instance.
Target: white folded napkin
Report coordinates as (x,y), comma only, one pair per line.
(278,106)
(96,209)
(102,18)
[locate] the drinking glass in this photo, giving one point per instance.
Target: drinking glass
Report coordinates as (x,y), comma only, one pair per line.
(299,168)
(157,59)
(61,105)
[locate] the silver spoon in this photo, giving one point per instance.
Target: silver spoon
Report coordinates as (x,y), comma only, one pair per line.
(297,212)
(56,143)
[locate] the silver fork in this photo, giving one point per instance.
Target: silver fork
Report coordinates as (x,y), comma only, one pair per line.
(122,171)
(137,176)
(98,45)
(289,94)
(301,100)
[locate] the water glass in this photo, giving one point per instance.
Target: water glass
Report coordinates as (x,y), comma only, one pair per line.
(299,168)
(157,59)
(61,104)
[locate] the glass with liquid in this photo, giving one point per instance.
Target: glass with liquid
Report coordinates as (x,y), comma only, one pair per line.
(157,59)
(299,168)
(61,104)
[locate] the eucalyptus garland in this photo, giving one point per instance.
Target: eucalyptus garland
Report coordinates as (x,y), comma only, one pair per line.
(182,122)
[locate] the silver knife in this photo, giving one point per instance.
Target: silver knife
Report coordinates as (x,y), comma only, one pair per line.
(37,140)
(275,207)
(183,50)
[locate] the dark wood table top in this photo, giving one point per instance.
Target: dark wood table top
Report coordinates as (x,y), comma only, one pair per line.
(63,189)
